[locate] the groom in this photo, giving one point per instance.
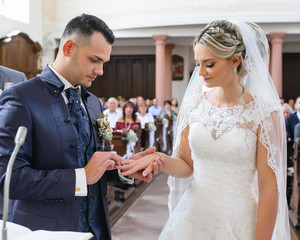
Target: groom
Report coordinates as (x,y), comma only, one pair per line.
(59,179)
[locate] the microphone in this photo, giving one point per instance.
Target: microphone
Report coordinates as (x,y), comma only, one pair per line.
(19,140)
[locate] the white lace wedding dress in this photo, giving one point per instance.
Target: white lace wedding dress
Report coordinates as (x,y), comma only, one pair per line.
(220,202)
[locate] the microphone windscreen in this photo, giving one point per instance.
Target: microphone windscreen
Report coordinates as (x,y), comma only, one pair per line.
(21,135)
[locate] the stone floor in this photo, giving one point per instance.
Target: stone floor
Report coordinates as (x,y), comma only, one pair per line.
(147,215)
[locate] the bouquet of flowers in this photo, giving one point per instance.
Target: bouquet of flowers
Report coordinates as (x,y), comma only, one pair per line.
(165,121)
(131,136)
(151,127)
(105,131)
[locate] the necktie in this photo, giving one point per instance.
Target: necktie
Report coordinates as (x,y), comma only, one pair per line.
(80,121)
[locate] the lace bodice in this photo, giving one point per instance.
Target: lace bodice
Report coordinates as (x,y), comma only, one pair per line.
(221,120)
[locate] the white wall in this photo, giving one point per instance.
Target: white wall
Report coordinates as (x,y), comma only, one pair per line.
(33,29)
(178,87)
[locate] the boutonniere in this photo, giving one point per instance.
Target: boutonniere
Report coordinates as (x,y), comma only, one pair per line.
(105,131)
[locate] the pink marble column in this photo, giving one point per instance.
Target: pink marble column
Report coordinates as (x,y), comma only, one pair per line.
(169,48)
(276,60)
(160,71)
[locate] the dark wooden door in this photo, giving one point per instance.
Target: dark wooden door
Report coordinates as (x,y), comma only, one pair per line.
(290,75)
(128,76)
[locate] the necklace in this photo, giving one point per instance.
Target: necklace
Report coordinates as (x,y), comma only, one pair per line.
(127,127)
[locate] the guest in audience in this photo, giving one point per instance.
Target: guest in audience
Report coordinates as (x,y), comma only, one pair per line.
(282,101)
(148,103)
(297,131)
(113,112)
(293,120)
(129,119)
(168,117)
(130,125)
(155,108)
(139,99)
(286,108)
(9,77)
(59,177)
(145,118)
(291,102)
(167,112)
(225,136)
(174,106)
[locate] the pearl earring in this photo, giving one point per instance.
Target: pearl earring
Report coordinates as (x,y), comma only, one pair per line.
(234,69)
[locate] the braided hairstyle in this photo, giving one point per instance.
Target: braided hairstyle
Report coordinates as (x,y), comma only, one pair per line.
(223,39)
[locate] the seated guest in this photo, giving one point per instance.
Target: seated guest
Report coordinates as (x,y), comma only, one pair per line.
(286,108)
(148,103)
(291,102)
(145,117)
(293,120)
(167,112)
(10,76)
(113,112)
(155,109)
(127,123)
(170,115)
(129,118)
(139,99)
(174,106)
(296,131)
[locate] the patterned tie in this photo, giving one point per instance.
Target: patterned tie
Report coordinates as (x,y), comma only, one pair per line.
(80,121)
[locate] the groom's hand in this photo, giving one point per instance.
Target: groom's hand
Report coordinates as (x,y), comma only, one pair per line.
(155,167)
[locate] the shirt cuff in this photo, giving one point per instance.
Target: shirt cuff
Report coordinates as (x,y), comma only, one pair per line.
(125,180)
(80,183)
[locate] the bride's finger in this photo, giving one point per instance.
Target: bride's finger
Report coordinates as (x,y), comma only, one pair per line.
(131,170)
(148,170)
(126,161)
(126,167)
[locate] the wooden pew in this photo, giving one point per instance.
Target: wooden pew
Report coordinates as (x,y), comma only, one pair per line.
(295,199)
(119,142)
(145,137)
(158,134)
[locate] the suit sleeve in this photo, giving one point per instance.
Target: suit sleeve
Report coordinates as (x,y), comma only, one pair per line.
(28,182)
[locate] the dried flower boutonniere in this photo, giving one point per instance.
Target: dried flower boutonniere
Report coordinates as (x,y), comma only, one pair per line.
(105,131)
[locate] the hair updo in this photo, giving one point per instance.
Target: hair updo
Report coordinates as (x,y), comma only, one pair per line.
(223,39)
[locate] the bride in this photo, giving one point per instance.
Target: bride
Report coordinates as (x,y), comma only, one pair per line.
(228,168)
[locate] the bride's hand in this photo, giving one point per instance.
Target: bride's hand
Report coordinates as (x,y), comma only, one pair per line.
(149,164)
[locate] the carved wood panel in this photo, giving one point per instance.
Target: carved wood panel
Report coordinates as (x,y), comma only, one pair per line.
(19,52)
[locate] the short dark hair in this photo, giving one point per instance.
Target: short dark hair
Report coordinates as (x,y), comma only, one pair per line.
(86,25)
(167,102)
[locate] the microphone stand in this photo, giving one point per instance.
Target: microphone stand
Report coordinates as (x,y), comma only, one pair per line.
(19,140)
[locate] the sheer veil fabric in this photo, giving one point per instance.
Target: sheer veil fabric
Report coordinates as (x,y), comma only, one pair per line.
(259,83)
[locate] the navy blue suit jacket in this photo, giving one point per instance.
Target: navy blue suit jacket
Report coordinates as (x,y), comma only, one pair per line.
(43,180)
(290,125)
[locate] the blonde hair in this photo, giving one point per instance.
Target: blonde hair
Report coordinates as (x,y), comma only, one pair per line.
(224,40)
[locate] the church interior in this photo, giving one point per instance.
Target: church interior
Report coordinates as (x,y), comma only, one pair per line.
(153,58)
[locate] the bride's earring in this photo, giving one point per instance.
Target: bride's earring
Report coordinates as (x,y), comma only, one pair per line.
(234,69)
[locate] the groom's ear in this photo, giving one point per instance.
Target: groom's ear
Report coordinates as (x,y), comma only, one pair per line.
(68,48)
